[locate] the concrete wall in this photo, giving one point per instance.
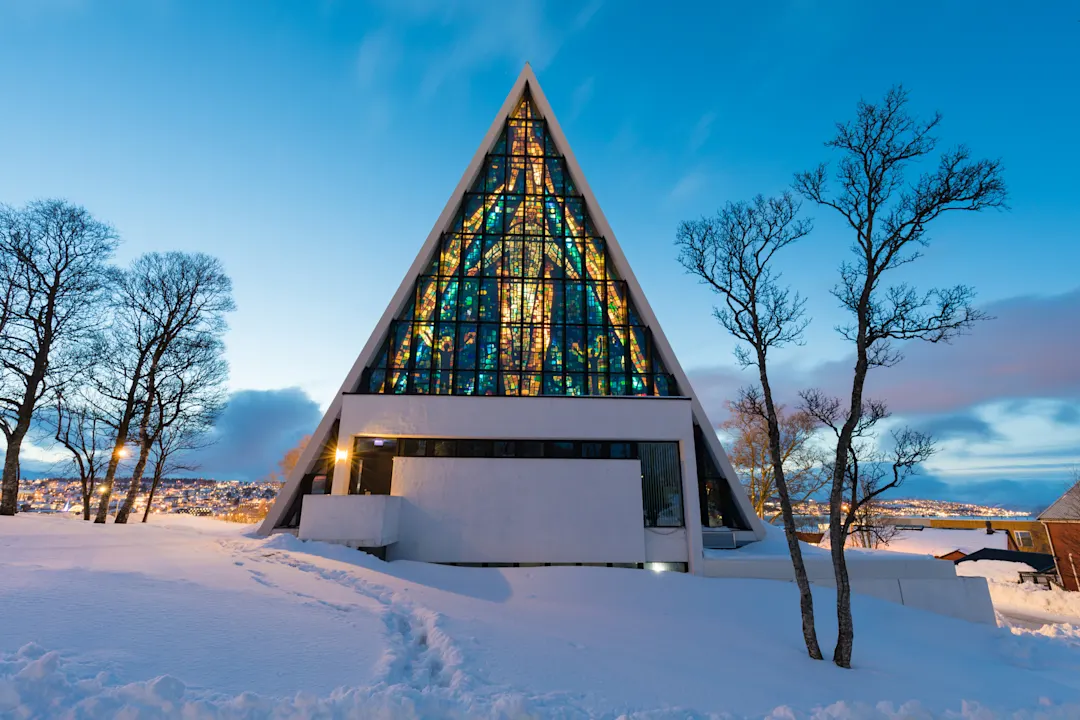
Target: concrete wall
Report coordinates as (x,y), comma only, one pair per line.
(549,418)
(521,510)
(916,581)
(356,520)
(665,544)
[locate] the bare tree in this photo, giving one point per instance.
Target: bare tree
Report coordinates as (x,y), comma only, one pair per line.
(733,254)
(84,434)
(185,409)
(890,217)
(53,267)
(165,301)
(871,470)
(749,453)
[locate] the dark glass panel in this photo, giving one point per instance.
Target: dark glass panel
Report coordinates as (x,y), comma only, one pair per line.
(469,304)
(561,449)
(472,248)
(639,385)
(464,382)
(376,381)
(423,339)
(489,299)
(553,357)
(592,450)
(663,385)
(598,357)
(473,214)
(494,173)
(445,448)
(598,385)
(575,216)
(442,382)
(487,384)
(420,382)
(554,385)
(448,299)
(466,347)
(621,451)
(503,449)
(411,447)
(576,348)
(617,351)
(529,449)
(575,302)
(474,448)
(575,384)
(594,303)
(556,171)
(489,346)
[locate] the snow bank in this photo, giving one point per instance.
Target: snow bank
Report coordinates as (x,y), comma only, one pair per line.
(196,619)
(1001,571)
(37,684)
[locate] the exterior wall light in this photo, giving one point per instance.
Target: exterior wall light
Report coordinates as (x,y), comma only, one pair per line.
(341,454)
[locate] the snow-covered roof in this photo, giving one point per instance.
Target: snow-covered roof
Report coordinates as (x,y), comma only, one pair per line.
(941,541)
(1066,507)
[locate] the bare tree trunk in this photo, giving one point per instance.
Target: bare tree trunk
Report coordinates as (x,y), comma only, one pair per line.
(806,597)
(153,489)
(9,503)
(136,485)
(107,483)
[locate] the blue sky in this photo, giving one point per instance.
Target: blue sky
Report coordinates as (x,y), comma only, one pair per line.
(311,145)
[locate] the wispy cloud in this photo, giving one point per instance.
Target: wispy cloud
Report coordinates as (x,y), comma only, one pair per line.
(582,95)
(701,131)
(688,186)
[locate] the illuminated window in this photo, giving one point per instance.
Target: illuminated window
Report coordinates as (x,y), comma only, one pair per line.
(520,298)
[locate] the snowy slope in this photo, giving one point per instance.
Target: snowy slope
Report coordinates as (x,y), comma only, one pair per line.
(192,618)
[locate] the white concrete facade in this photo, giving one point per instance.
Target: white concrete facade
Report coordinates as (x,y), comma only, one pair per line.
(361,521)
(475,510)
(470,510)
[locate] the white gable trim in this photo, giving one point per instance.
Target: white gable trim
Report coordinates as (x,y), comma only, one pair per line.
(401,297)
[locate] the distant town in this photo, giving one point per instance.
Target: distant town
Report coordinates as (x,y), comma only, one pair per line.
(236,500)
(248,501)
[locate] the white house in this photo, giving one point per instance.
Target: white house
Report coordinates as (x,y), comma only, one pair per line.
(518,403)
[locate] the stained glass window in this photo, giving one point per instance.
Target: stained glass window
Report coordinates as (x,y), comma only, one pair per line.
(520,297)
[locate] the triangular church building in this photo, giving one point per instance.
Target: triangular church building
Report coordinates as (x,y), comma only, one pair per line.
(517,402)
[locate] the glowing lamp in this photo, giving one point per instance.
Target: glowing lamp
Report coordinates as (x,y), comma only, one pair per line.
(341,454)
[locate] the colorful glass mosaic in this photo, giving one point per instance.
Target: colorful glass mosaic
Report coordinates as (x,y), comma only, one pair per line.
(520,297)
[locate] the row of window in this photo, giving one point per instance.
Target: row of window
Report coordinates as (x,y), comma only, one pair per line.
(428,447)
(400,381)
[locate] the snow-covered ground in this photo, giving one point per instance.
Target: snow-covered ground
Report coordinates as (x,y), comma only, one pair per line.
(1026,605)
(193,618)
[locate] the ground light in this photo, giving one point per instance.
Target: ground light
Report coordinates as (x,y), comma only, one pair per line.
(661,566)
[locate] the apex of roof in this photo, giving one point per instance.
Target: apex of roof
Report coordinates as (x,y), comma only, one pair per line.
(1066,507)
